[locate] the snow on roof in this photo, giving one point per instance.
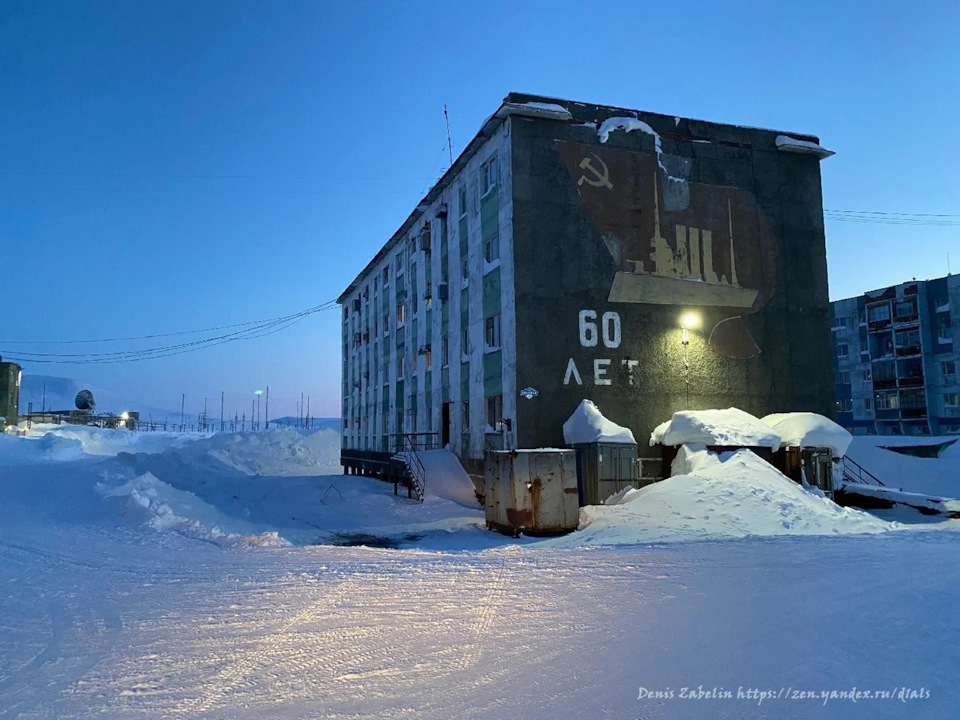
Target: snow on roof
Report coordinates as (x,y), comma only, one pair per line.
(588,425)
(731,427)
(807,429)
(627,124)
(790,144)
(733,494)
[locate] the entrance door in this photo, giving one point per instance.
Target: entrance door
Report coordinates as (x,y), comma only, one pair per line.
(445,425)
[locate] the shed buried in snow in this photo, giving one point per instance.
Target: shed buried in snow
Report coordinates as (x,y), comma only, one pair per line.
(606,454)
(808,445)
(718,430)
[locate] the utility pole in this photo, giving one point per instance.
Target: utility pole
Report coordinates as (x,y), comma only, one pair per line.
(253,409)
(183,398)
(266,410)
(44,408)
(308,412)
(221,411)
(301,410)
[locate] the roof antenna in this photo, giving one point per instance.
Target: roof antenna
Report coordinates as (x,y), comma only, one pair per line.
(446,118)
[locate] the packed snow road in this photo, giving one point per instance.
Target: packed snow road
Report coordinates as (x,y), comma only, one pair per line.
(107,613)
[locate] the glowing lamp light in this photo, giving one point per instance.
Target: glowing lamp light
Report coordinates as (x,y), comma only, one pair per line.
(689,321)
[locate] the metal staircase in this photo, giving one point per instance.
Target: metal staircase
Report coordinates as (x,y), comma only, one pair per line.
(854,472)
(416,474)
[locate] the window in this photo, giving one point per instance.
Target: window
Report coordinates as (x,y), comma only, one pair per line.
(491,248)
(843,377)
(491,332)
(465,269)
(867,375)
(399,364)
(842,350)
(489,174)
(376,282)
(401,314)
(844,405)
(464,342)
(445,351)
(400,262)
(386,323)
(951,399)
(463,200)
(868,404)
(428,354)
(877,313)
(399,421)
(346,313)
(905,309)
(949,370)
(908,339)
(465,420)
(495,411)
(386,276)
(913,399)
(887,401)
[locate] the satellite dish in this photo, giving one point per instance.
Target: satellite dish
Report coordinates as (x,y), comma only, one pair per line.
(85,400)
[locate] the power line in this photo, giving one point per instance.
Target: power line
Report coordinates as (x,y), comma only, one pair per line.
(879,217)
(250,332)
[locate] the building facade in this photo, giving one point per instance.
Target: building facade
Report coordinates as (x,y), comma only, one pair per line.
(895,360)
(554,261)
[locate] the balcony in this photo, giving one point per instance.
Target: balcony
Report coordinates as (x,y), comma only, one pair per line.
(913,413)
(909,351)
(911,382)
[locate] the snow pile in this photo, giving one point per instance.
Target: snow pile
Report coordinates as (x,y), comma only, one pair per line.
(735,494)
(46,447)
(627,124)
(104,442)
(807,429)
(731,427)
(588,425)
(151,501)
(274,451)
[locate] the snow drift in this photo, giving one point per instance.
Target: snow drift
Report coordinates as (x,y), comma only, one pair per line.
(730,495)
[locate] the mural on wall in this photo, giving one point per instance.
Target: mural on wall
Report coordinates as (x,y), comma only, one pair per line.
(677,242)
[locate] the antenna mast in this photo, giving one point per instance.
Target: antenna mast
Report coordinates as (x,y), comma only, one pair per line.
(446,118)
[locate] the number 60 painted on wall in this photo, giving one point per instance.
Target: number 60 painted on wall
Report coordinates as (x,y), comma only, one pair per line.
(609,328)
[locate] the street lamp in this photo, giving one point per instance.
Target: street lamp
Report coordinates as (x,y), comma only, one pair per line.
(258,393)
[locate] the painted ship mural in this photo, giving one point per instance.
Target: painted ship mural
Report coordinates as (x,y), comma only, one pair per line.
(678,242)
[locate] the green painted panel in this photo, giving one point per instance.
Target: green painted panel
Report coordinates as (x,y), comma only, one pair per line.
(489,214)
(464,307)
(428,319)
(465,381)
(492,374)
(399,394)
(463,235)
(491,293)
(445,385)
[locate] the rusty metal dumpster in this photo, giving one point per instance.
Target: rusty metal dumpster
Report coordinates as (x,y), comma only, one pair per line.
(531,491)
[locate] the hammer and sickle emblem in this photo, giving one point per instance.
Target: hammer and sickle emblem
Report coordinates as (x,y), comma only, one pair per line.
(600,179)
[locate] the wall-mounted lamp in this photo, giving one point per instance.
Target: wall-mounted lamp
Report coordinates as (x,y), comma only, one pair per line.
(688,321)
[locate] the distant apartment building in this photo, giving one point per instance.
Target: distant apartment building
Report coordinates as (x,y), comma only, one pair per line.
(895,359)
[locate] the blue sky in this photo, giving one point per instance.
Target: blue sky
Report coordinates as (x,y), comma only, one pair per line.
(169,166)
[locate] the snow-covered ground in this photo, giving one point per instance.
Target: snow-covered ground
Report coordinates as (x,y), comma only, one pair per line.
(161,575)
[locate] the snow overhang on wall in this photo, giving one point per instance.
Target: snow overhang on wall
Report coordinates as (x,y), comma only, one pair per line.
(786,143)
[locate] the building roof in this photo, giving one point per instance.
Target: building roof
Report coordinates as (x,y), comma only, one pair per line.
(558,109)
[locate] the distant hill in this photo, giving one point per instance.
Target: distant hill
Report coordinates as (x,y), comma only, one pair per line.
(315,423)
(61,393)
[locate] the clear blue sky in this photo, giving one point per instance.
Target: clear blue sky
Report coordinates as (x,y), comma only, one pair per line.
(169,166)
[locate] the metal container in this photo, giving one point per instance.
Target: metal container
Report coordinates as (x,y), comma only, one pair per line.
(604,469)
(531,491)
